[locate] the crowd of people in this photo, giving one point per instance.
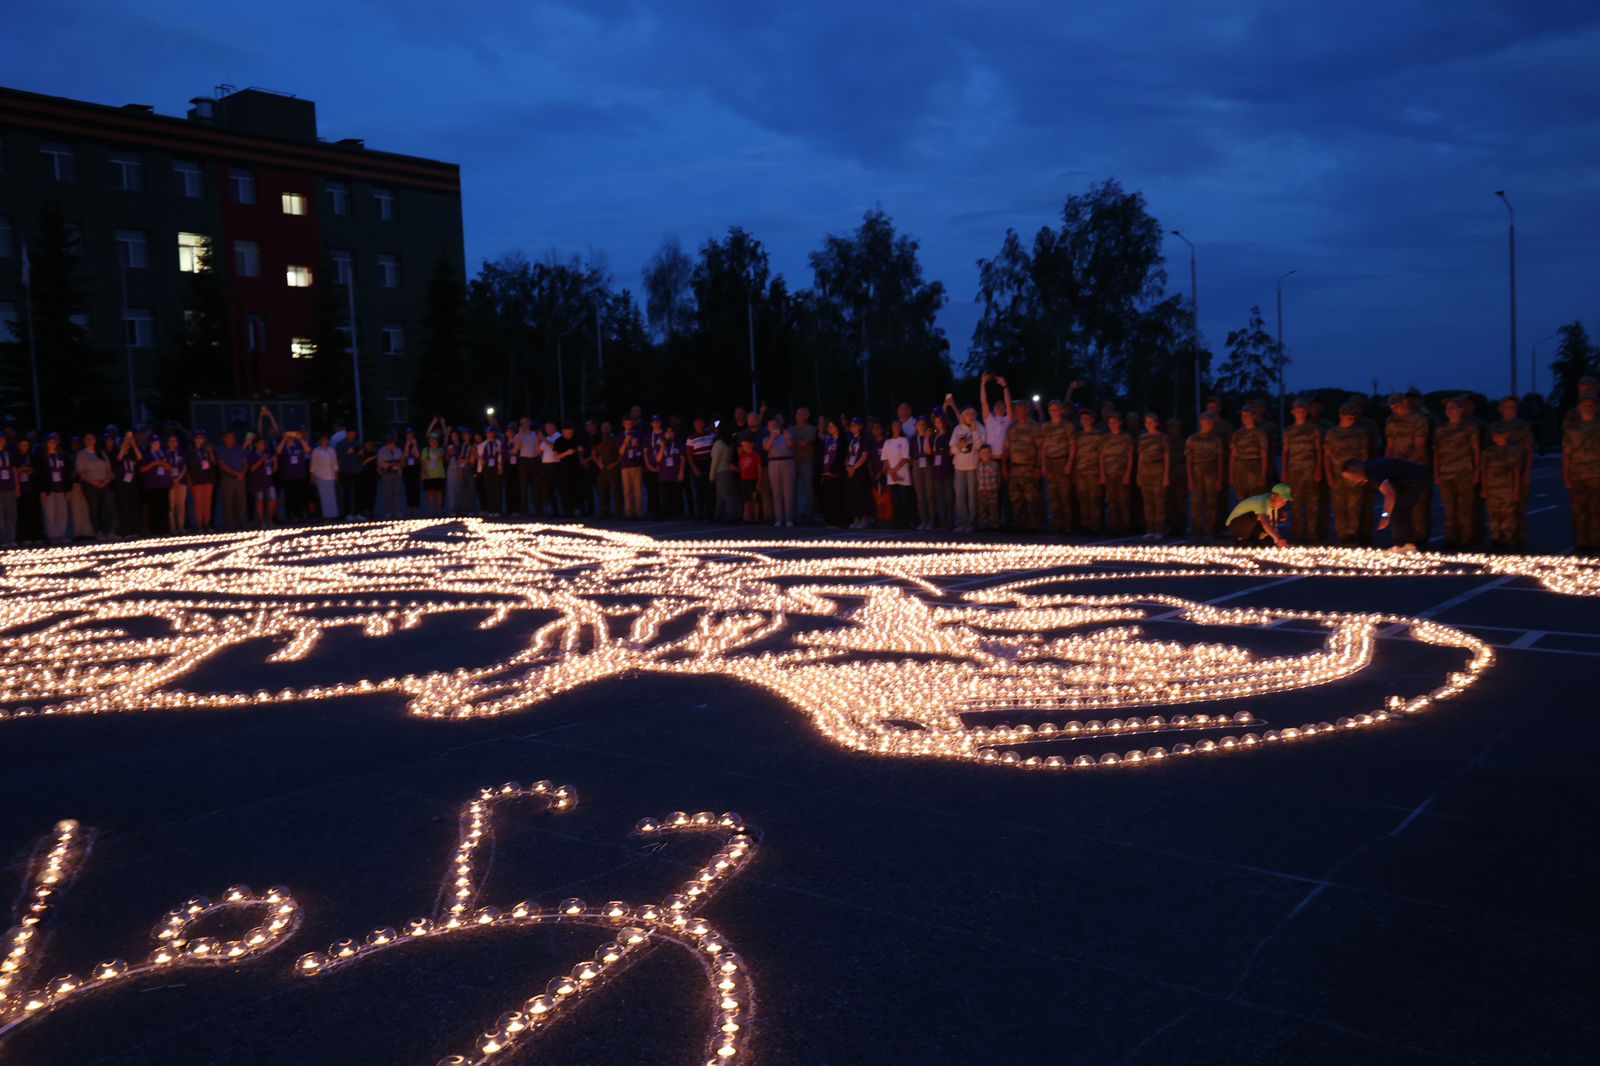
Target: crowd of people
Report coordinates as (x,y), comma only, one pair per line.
(1002,464)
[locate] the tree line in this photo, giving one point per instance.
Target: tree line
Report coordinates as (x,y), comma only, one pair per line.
(1086,299)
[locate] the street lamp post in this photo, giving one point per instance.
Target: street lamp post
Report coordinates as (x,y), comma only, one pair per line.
(1282,357)
(1194,322)
(1511,236)
(1533,362)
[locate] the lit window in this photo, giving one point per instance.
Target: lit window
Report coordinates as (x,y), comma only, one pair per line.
(394,340)
(139,327)
(189,179)
(127,172)
(191,252)
(389,271)
(247,259)
(242,183)
(8,242)
(10,323)
(302,348)
(338,198)
(60,161)
(294,203)
(133,248)
(344,266)
(384,199)
(299,277)
(255,333)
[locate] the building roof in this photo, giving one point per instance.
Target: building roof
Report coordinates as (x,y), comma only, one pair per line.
(137,126)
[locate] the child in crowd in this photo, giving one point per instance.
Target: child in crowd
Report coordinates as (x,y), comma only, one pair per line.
(749,479)
(988,489)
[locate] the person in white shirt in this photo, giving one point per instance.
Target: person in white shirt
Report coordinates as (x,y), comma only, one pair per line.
(895,460)
(529,454)
(965,443)
(325,476)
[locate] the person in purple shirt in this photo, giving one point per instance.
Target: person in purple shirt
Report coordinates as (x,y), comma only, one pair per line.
(944,473)
(294,468)
(202,479)
(670,458)
(156,477)
(259,469)
(130,500)
(632,470)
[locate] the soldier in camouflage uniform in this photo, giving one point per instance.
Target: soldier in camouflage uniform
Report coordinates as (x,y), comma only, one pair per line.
(1022,466)
(1250,456)
(1587,386)
(1480,515)
(1580,472)
(1302,469)
(1178,487)
(1352,504)
(1408,435)
(1504,487)
(1056,444)
(1224,429)
(1117,454)
(1456,450)
(1086,484)
(1155,475)
(1519,435)
(1205,455)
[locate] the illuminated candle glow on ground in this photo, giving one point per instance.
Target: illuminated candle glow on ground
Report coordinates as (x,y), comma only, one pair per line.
(913,649)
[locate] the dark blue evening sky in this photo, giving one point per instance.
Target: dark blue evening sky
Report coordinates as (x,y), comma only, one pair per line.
(1358,143)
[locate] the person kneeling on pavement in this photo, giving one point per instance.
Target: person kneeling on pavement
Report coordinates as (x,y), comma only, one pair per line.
(1256,519)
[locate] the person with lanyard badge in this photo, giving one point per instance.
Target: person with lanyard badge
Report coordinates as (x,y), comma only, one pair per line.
(965,441)
(1401,484)
(411,471)
(652,442)
(178,493)
(53,488)
(895,458)
(259,481)
(833,486)
(202,480)
(779,446)
(156,474)
(458,484)
(1255,519)
(922,473)
(325,476)
(433,468)
(632,470)
(858,479)
(669,462)
(492,465)
(294,470)
(129,495)
(944,472)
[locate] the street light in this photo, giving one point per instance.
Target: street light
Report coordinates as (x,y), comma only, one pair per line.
(1282,358)
(1511,235)
(1533,362)
(1194,321)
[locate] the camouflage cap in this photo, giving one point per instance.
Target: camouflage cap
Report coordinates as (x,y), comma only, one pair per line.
(1349,407)
(1396,397)
(1300,403)
(1208,416)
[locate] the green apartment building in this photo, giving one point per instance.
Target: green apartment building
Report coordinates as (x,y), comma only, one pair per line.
(246,174)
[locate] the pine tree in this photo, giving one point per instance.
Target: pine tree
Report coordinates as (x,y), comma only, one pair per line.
(1254,359)
(1575,359)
